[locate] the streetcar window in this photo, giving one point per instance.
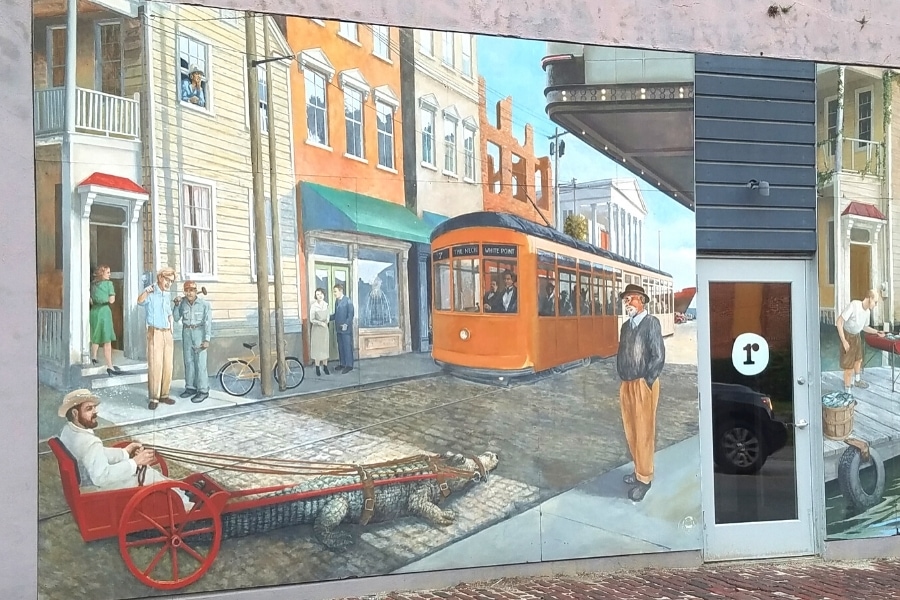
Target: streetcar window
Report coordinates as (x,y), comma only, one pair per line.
(493,275)
(509,299)
(585,305)
(546,288)
(442,286)
(568,293)
(599,293)
(618,288)
(466,285)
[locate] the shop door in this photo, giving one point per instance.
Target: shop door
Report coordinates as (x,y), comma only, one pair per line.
(327,276)
(107,247)
(860,270)
(755,398)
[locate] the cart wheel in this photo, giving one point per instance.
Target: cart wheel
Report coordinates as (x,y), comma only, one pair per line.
(295,372)
(157,461)
(237,377)
(163,546)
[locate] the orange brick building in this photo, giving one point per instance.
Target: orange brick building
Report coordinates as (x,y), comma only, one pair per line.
(515,180)
(347,130)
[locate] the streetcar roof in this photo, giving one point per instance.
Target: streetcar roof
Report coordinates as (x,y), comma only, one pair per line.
(522,225)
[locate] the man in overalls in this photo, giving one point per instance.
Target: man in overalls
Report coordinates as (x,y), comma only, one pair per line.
(196,331)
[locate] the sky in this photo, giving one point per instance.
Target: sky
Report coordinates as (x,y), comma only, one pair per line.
(512,67)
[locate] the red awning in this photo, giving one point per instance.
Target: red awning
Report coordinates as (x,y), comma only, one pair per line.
(113,182)
(861,209)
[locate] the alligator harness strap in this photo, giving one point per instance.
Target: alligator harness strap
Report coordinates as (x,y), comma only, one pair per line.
(368,491)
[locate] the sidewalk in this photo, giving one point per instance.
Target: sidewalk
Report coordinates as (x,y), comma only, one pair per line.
(127,405)
(801,579)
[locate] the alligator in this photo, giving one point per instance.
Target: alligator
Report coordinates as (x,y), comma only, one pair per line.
(412,486)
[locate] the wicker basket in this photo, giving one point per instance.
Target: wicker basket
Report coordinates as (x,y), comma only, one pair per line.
(837,423)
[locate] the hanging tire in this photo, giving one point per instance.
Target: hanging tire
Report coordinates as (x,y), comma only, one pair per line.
(852,487)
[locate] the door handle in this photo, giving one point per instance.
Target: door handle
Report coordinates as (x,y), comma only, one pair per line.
(801,424)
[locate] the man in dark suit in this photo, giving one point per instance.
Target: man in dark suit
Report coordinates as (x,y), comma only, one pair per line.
(509,301)
(343,327)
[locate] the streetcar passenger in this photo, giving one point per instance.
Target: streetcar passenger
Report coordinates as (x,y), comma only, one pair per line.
(547,306)
(510,297)
(492,298)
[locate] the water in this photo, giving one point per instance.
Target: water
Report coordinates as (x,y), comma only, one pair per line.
(881,520)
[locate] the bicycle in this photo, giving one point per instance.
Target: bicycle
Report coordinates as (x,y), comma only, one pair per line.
(238,375)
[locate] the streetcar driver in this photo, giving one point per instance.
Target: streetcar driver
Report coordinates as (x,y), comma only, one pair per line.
(102,467)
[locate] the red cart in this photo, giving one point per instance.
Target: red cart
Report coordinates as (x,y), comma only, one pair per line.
(891,345)
(166,547)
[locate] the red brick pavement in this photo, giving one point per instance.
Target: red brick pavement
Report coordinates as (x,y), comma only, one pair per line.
(790,580)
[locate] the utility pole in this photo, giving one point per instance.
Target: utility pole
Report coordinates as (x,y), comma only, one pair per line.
(276,218)
(259,212)
(557,149)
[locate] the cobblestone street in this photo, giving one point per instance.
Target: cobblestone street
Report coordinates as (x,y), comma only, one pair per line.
(551,435)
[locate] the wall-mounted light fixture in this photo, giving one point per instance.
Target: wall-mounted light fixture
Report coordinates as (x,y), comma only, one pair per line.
(762,186)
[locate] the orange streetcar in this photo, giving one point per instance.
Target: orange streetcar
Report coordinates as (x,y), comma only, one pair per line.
(511,298)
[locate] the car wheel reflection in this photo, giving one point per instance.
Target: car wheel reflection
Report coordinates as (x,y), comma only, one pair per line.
(740,449)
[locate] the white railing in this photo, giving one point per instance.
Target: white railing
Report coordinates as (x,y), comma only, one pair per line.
(50,334)
(859,156)
(95,112)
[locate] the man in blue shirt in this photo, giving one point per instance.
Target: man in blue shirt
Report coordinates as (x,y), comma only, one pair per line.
(343,327)
(157,302)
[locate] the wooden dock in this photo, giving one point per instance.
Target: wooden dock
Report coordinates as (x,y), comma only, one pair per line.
(876,419)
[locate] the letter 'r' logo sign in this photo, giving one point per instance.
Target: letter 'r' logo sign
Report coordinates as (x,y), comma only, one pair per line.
(750,354)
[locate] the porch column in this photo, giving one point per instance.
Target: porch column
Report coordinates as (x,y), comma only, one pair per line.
(72,267)
(81,292)
(841,278)
(135,344)
(593,238)
(404,299)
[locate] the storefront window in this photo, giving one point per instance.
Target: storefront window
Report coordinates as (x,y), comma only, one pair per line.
(466,285)
(378,288)
(323,248)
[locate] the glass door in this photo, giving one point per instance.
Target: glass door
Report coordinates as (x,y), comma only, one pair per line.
(754,375)
(327,276)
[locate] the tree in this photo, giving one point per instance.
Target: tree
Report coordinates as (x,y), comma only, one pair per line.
(577,227)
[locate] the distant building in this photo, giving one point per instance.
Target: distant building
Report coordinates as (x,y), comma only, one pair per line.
(155,173)
(515,179)
(349,163)
(615,212)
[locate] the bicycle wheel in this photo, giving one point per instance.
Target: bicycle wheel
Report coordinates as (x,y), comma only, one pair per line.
(237,377)
(295,372)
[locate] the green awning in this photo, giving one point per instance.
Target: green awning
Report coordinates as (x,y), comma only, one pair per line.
(329,209)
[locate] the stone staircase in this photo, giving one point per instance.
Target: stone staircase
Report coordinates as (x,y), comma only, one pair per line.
(130,373)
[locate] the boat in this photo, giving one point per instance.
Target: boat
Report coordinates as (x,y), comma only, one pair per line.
(683,299)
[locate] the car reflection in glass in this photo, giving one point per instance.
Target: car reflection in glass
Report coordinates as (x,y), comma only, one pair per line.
(745,430)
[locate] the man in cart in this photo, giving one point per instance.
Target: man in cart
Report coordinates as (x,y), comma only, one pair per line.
(104,468)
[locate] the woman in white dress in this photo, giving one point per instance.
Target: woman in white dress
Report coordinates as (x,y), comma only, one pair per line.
(318,332)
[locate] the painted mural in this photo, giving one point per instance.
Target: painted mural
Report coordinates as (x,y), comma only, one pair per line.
(858,271)
(321,300)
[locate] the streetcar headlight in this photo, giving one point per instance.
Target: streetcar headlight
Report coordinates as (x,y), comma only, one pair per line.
(463,334)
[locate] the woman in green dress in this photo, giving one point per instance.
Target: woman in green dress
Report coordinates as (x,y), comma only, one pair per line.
(103,294)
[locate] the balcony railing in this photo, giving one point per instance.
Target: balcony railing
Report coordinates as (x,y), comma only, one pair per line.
(50,334)
(863,157)
(95,112)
